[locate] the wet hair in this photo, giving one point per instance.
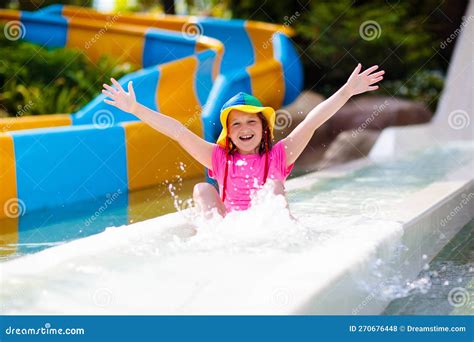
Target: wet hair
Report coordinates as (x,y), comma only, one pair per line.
(266,136)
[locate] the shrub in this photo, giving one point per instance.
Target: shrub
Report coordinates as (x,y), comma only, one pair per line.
(335,36)
(52,81)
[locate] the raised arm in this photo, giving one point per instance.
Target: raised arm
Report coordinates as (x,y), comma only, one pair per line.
(357,83)
(197,147)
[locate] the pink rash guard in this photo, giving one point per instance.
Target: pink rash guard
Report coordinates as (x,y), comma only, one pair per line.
(246,172)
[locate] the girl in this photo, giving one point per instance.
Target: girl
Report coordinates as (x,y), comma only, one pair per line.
(243,157)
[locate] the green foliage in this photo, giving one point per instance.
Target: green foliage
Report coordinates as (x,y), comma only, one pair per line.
(273,11)
(334,40)
(51,81)
(33,5)
(424,86)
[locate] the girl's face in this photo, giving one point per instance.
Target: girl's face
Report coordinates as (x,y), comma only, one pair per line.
(245,131)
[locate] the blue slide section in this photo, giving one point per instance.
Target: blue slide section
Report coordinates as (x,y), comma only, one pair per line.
(56,166)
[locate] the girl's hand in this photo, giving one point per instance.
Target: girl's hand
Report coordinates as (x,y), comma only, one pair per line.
(121,99)
(360,82)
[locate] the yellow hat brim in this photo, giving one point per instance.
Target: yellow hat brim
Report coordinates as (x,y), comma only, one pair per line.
(268,113)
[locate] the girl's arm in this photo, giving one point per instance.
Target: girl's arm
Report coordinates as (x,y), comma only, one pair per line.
(357,83)
(197,147)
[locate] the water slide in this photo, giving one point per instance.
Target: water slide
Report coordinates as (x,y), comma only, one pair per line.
(189,67)
(364,230)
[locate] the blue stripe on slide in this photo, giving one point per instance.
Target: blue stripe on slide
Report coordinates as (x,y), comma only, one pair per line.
(203,81)
(65,165)
(44,30)
(285,52)
(238,49)
(56,9)
(165,46)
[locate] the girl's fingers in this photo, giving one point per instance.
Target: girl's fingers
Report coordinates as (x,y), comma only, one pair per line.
(108,94)
(130,89)
(112,103)
(371,88)
(371,69)
(111,89)
(375,80)
(377,74)
(356,70)
(116,84)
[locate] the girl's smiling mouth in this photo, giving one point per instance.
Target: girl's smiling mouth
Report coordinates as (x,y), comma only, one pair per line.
(246,137)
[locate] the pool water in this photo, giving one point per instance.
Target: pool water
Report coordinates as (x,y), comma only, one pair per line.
(373,190)
(448,282)
(43,229)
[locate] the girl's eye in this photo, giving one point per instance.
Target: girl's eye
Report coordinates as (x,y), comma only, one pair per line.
(235,124)
(251,121)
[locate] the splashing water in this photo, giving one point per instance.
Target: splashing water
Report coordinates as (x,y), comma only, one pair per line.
(391,283)
(266,225)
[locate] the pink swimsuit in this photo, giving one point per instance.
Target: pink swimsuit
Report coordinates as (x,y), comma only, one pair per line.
(246,173)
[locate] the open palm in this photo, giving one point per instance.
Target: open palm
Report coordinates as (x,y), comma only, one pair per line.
(120,98)
(361,82)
